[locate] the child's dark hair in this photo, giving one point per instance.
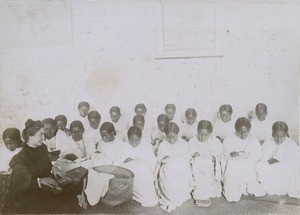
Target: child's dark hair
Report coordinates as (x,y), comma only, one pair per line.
(170,106)
(62,118)
(83,104)
(242,121)
(171,127)
(94,115)
(109,127)
(163,117)
(12,134)
(280,126)
(134,130)
(227,108)
(115,109)
(77,124)
(190,111)
(137,118)
(140,106)
(205,125)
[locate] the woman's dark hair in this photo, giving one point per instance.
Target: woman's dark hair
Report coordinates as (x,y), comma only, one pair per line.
(31,128)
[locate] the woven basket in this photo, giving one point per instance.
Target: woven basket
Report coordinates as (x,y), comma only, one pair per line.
(120,189)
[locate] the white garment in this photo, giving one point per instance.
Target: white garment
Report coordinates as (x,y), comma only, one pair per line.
(174,178)
(56,142)
(157,137)
(97,186)
(240,175)
(93,134)
(187,130)
(262,130)
(142,165)
(206,173)
(224,130)
(106,153)
(121,126)
(5,156)
(83,148)
(283,177)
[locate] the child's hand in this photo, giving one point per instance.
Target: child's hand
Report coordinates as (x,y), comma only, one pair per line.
(234,154)
(128,160)
(272,160)
(196,154)
(68,133)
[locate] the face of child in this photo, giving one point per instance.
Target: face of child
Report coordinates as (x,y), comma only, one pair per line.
(37,139)
(279,136)
(10,144)
(172,137)
(170,113)
(61,125)
(134,140)
(49,131)
(261,114)
(203,135)
(243,132)
(191,119)
(94,123)
(77,133)
(139,124)
(161,125)
(140,111)
(107,136)
(115,116)
(83,111)
(225,116)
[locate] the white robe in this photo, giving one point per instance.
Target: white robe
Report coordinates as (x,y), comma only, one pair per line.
(240,175)
(83,148)
(157,137)
(187,130)
(224,130)
(107,153)
(206,173)
(121,126)
(283,177)
(174,179)
(93,134)
(142,166)
(57,142)
(262,130)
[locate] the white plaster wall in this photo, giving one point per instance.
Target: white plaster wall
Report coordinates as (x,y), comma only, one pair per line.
(105,52)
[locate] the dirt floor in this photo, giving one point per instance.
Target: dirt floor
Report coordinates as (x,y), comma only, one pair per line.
(247,205)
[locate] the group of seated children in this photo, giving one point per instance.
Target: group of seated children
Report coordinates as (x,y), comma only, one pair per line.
(173,160)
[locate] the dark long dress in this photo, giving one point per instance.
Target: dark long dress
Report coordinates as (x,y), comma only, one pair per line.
(28,165)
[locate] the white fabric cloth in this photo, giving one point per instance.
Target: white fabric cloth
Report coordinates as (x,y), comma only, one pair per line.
(142,165)
(206,173)
(262,130)
(5,156)
(106,153)
(121,126)
(283,177)
(224,130)
(174,179)
(93,134)
(240,175)
(97,186)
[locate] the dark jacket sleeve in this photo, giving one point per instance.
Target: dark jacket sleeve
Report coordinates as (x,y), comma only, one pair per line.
(22,179)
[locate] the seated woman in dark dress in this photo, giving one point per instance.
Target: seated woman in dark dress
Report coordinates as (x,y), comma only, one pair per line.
(34,179)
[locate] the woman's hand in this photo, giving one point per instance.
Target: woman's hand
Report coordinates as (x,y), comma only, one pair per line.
(234,154)
(58,173)
(272,160)
(50,182)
